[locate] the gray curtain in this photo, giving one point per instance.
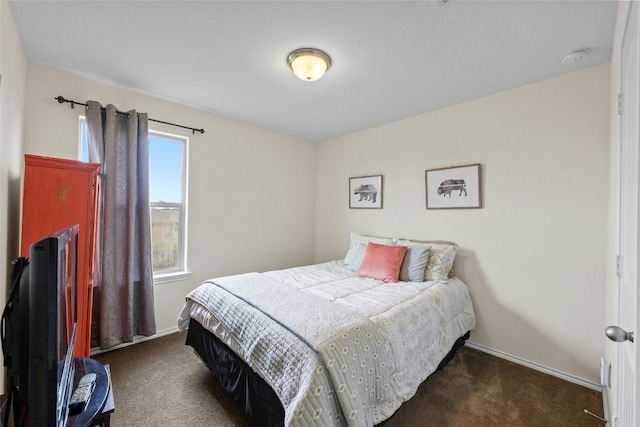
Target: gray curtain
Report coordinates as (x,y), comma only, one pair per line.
(124,294)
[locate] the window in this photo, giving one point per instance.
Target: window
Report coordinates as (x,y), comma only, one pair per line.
(167,201)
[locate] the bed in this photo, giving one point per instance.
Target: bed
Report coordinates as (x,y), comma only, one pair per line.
(338,343)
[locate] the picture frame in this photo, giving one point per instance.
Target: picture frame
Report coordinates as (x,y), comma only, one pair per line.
(454,187)
(365,192)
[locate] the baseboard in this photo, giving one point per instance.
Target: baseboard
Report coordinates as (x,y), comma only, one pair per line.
(536,366)
(136,340)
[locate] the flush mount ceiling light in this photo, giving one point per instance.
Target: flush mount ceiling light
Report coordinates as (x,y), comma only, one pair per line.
(309,64)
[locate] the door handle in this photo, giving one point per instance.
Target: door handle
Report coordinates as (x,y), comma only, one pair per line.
(617,334)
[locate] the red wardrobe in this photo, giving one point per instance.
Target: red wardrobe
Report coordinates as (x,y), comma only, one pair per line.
(59,193)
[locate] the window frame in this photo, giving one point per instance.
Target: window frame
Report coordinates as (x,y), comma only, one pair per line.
(181,272)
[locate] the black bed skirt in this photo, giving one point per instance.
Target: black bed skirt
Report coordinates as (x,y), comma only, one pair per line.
(247,389)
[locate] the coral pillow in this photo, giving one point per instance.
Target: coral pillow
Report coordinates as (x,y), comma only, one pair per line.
(382,262)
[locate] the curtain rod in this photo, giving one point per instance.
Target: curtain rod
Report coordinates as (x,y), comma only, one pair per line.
(62,100)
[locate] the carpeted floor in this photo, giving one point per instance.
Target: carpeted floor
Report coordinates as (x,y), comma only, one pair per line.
(161,382)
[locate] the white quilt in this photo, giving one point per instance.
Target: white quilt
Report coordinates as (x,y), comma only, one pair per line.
(362,350)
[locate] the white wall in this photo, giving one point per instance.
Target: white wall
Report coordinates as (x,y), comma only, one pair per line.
(251,191)
(12,88)
(534,255)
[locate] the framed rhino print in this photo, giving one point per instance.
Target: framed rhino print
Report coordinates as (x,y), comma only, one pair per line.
(365,192)
(456,187)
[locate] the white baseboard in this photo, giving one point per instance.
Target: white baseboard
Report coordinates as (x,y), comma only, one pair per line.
(536,366)
(136,340)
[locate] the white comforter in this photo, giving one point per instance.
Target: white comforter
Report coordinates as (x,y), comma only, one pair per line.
(363,350)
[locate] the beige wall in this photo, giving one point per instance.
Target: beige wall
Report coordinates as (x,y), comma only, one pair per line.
(12,88)
(251,191)
(534,255)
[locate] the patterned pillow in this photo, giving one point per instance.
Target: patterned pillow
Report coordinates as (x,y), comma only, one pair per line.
(440,263)
(414,264)
(357,240)
(441,257)
(382,262)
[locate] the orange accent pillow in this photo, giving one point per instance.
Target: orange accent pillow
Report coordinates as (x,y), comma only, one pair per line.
(382,262)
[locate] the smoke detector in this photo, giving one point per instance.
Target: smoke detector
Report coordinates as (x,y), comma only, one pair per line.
(571,58)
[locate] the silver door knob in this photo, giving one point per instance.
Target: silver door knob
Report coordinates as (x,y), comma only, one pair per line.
(617,334)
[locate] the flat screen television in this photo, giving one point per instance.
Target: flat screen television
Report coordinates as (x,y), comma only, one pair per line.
(39,325)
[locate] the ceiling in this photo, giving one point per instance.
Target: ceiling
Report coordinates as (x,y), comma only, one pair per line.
(391,59)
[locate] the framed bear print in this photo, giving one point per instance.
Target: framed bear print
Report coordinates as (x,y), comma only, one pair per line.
(365,192)
(456,187)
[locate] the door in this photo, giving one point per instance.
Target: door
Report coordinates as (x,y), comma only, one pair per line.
(625,374)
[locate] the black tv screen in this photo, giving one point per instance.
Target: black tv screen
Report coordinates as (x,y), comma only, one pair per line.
(47,311)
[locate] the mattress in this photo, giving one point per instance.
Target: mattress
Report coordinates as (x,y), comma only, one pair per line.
(413,324)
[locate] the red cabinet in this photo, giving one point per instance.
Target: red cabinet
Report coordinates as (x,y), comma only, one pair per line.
(59,193)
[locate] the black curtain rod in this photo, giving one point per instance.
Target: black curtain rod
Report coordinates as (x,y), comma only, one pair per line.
(62,100)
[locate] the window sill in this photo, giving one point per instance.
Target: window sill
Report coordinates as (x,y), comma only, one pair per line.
(171,277)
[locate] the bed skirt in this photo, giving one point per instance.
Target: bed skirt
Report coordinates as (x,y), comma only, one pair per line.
(247,389)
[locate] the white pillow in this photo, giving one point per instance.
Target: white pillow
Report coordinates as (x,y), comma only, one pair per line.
(358,239)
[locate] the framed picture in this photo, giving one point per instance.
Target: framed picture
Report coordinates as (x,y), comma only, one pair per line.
(365,192)
(456,187)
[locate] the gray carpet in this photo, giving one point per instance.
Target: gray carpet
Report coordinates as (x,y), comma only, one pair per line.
(161,382)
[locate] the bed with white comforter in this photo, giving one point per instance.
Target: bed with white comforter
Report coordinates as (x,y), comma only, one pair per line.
(337,349)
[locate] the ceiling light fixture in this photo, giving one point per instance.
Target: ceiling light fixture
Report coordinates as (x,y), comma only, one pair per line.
(309,64)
